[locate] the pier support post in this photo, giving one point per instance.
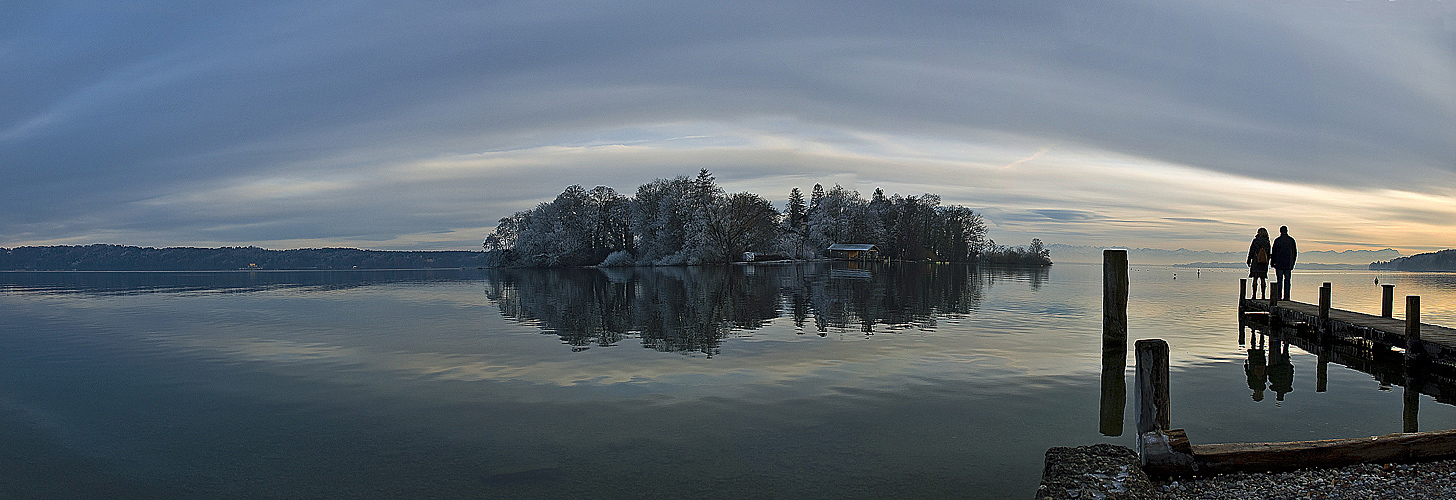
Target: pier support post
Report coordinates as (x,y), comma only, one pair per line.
(1243,293)
(1413,348)
(1152,385)
(1274,297)
(1114,341)
(1411,404)
(1387,301)
(1114,295)
(1161,450)
(1324,310)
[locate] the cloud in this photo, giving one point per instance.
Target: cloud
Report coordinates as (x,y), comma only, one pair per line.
(280,122)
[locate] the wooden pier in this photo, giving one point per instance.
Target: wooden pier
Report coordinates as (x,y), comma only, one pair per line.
(1432,343)
(1425,358)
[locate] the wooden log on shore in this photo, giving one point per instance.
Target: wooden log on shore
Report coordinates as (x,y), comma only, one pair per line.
(1262,457)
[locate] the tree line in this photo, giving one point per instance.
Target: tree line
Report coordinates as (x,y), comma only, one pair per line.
(693,221)
(1444,260)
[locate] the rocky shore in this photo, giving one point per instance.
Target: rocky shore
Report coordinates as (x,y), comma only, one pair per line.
(1110,472)
(1430,480)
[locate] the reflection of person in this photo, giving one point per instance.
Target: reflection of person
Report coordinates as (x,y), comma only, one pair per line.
(1282,259)
(1281,371)
(1254,370)
(1259,261)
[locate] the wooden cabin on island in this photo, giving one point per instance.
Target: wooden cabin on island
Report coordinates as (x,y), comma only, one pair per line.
(854,251)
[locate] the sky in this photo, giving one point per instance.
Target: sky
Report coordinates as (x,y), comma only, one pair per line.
(417,125)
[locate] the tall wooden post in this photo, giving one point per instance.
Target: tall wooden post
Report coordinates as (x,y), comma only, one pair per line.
(1114,340)
(1274,297)
(1413,349)
(1114,294)
(1152,385)
(1324,309)
(1387,301)
(1243,293)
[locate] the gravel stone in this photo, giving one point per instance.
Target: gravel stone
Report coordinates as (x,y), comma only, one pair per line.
(1429,480)
(1094,472)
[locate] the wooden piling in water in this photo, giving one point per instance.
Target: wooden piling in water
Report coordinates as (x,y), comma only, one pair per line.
(1114,294)
(1160,448)
(1243,292)
(1152,385)
(1387,301)
(1114,341)
(1413,348)
(1324,304)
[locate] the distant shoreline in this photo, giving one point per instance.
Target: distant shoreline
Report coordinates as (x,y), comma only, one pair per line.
(1300,265)
(131,258)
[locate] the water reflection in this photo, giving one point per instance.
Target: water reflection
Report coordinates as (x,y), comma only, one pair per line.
(1114,385)
(142,282)
(1388,367)
(693,309)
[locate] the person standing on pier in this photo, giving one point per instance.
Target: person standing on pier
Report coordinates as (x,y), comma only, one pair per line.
(1259,262)
(1283,260)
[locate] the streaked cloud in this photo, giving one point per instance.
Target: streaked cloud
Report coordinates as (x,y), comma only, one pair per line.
(384,125)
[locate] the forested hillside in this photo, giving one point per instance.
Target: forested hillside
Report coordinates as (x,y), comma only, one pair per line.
(692,221)
(130,258)
(1444,260)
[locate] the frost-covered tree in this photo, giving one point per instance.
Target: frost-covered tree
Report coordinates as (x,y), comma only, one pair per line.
(690,221)
(738,223)
(795,226)
(660,217)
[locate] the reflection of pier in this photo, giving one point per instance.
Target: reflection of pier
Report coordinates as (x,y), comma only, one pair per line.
(1387,366)
(1422,342)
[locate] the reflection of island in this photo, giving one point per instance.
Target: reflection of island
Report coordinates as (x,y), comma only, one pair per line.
(692,309)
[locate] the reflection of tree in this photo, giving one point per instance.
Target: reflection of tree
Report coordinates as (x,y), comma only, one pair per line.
(692,309)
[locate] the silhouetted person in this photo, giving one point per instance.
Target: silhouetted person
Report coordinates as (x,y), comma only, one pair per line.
(1282,259)
(1259,262)
(1254,370)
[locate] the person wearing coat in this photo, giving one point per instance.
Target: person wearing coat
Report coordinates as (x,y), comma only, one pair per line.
(1282,256)
(1259,257)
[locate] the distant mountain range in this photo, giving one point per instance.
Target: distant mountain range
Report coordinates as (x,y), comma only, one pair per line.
(130,258)
(1356,259)
(1444,260)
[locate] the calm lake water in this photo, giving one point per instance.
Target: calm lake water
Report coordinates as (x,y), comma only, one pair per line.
(793,381)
